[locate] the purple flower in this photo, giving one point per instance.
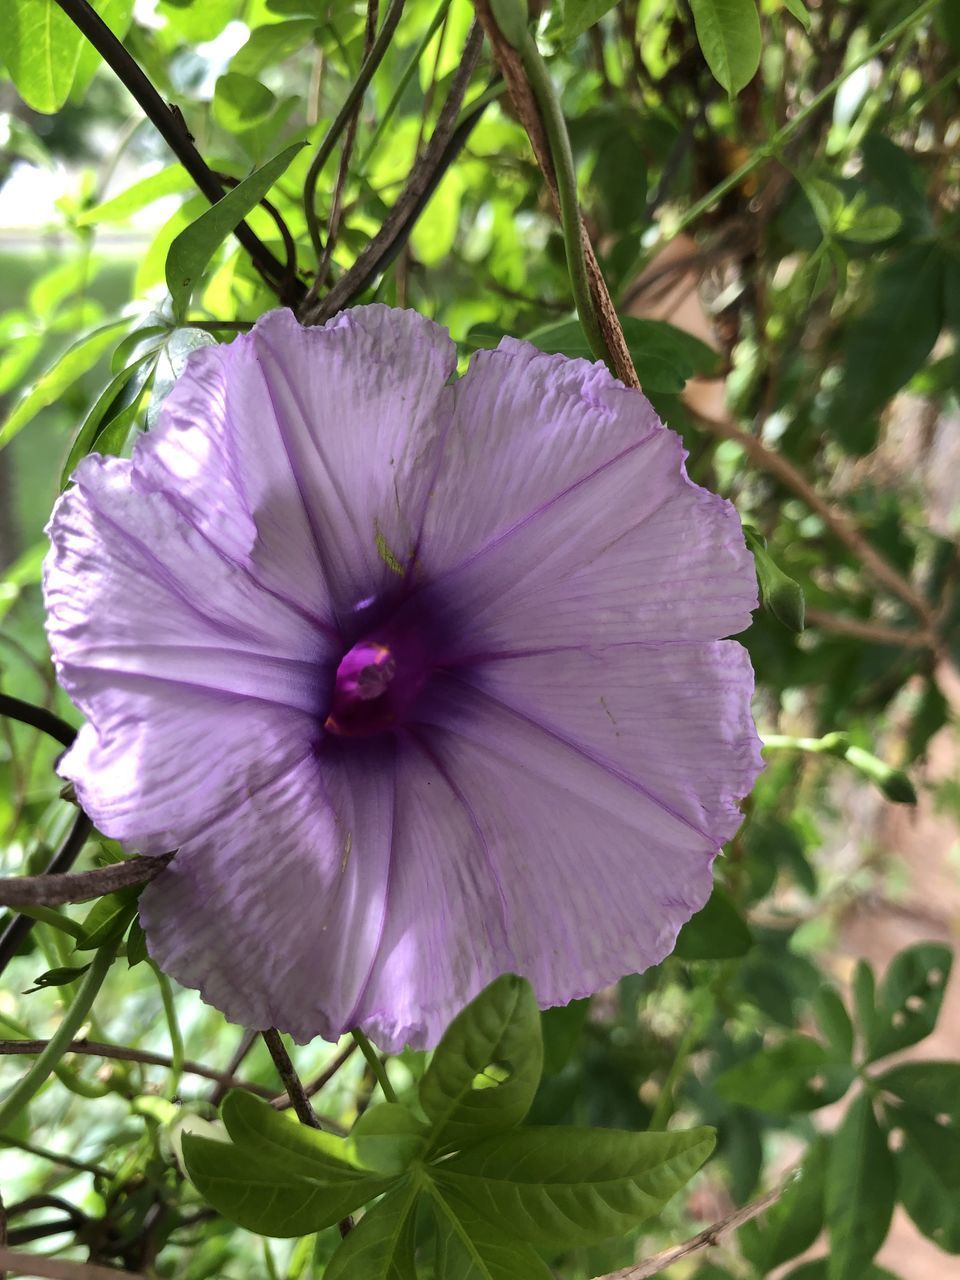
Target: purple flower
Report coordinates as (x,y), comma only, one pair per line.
(422,676)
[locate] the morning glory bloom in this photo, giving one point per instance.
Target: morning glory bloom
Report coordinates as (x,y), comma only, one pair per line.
(424,677)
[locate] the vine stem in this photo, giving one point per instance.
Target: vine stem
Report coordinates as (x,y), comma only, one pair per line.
(170,124)
(529,112)
(59,1043)
(566,173)
(374,1063)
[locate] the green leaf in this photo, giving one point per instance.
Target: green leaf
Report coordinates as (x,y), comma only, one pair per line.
(716,932)
(301,1150)
(561,1028)
(559,1187)
(388,1137)
(799,11)
(468,1248)
(729,35)
(193,248)
(664,356)
(868,223)
(241,102)
(793,1222)
(58,977)
(860,1191)
(75,361)
(136,945)
(928,1168)
(931,1087)
(108,918)
(864,1000)
(511,19)
(486,1069)
(196,21)
(834,1021)
(580,15)
(381,1245)
(888,341)
(817,1270)
(909,1001)
(41,47)
(798,1074)
(118,208)
(265,1193)
(120,392)
(272,43)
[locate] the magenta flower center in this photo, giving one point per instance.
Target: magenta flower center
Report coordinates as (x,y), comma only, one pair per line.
(377,682)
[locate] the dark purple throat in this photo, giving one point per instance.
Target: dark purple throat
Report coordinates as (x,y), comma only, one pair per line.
(378,682)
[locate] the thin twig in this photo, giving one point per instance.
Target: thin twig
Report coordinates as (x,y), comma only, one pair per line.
(703,1239)
(55,1157)
(297,1095)
(34,1264)
(171,126)
(19,928)
(326,1075)
(247,1040)
(346,152)
(123,1053)
(291,1081)
(901,638)
(387,240)
(354,96)
(837,521)
(50,890)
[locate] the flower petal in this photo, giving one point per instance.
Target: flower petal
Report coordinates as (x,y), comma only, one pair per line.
(594,533)
(288,447)
(557,845)
(676,719)
(197,683)
(275,911)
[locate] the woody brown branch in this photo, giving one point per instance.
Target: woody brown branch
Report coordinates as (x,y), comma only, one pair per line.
(53,890)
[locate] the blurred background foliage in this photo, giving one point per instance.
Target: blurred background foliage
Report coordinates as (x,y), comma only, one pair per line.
(785,258)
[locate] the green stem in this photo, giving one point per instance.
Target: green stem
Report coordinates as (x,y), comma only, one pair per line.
(56,919)
(59,1043)
(769,149)
(402,83)
(562,156)
(173,1026)
(663,1109)
(833,744)
(374,1063)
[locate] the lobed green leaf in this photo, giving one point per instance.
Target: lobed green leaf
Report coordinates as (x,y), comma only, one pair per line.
(560,1187)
